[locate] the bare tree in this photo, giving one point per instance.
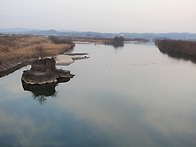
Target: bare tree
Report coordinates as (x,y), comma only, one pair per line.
(40,52)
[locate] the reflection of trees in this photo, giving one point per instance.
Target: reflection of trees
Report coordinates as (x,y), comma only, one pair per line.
(42,98)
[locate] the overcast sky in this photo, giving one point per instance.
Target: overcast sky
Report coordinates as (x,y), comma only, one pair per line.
(139,16)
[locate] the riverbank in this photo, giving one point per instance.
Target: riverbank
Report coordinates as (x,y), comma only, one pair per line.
(107,41)
(15,50)
(187,48)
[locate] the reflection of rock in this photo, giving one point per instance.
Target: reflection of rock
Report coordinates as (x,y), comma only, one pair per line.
(40,92)
(44,72)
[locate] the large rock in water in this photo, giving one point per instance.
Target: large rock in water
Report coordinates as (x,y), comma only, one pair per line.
(44,72)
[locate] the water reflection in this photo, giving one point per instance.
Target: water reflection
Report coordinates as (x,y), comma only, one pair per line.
(41,92)
(120,105)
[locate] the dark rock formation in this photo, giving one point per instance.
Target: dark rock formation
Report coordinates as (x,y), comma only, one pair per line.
(44,72)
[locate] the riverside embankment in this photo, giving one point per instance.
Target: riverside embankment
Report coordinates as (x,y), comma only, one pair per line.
(17,51)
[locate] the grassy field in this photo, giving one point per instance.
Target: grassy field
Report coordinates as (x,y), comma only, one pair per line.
(15,49)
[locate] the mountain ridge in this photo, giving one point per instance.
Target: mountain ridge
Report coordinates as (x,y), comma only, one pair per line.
(153,36)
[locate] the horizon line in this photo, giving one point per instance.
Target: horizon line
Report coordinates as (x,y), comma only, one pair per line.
(63,30)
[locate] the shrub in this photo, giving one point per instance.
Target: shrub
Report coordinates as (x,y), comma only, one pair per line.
(118,41)
(56,40)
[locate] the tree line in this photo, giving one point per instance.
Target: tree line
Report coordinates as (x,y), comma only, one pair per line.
(58,40)
(177,46)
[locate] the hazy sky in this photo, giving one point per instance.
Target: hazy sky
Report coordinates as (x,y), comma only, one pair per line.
(139,16)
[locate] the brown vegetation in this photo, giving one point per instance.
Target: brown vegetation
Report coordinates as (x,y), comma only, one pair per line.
(15,49)
(59,40)
(96,40)
(141,40)
(116,41)
(108,41)
(177,46)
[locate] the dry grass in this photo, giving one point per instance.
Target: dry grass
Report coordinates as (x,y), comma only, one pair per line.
(18,48)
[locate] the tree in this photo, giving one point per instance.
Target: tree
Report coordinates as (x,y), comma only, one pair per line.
(56,40)
(40,52)
(118,41)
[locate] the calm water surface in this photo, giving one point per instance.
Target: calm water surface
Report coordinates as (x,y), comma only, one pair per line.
(132,96)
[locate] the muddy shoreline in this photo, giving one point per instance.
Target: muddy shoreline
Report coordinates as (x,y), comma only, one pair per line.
(10,69)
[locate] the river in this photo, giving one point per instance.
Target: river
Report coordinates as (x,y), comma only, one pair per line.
(131,96)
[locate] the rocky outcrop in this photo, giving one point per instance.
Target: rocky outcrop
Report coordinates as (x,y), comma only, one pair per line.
(44,72)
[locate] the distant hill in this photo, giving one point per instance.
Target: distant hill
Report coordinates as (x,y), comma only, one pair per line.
(152,36)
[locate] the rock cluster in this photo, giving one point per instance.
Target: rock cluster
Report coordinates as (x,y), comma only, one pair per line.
(44,72)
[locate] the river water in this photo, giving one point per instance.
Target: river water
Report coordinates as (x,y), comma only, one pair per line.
(131,96)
